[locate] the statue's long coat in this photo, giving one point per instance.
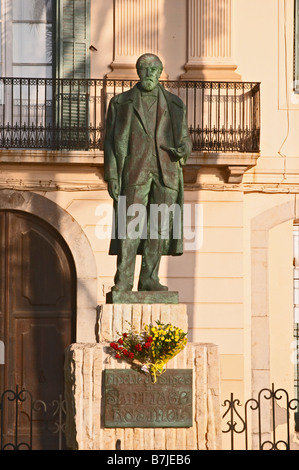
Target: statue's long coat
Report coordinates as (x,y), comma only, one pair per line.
(128,146)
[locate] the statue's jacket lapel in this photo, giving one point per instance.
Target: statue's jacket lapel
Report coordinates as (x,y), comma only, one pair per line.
(132,142)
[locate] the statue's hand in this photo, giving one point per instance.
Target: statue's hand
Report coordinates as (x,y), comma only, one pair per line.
(178,153)
(113,189)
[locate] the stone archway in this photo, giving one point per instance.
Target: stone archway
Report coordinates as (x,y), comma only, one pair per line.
(79,246)
(260,311)
(260,352)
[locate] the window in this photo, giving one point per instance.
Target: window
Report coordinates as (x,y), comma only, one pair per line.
(44,40)
(36,32)
(28,38)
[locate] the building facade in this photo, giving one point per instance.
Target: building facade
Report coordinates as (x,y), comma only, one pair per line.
(235,64)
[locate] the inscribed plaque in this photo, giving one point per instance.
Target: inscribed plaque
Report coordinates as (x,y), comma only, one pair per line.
(131,400)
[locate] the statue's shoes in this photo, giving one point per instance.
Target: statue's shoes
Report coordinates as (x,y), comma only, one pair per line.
(122,287)
(151,286)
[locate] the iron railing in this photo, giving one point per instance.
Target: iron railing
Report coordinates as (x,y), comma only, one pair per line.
(265,423)
(70,113)
(28,424)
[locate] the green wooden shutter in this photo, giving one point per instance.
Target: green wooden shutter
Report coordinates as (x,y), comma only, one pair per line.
(73,65)
(73,18)
(296,48)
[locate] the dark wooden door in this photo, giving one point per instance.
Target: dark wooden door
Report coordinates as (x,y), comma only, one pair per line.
(37,309)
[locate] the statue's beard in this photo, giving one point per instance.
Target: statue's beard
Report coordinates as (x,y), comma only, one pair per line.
(148,84)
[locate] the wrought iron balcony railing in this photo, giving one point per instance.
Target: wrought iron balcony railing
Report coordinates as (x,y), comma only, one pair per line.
(70,114)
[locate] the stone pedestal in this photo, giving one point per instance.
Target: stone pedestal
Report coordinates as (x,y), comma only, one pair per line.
(115,318)
(143,297)
(84,366)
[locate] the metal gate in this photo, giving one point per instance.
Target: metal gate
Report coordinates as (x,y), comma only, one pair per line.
(265,423)
(49,415)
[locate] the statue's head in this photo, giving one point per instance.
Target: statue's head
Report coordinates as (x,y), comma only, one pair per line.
(149,68)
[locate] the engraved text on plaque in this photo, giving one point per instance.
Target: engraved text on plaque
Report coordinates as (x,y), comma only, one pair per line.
(132,400)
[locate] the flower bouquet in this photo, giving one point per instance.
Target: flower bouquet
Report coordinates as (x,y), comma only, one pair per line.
(151,349)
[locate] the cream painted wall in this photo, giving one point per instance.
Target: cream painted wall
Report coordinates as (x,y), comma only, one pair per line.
(173,37)
(102,28)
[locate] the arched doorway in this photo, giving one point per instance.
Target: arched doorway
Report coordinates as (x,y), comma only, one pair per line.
(37,315)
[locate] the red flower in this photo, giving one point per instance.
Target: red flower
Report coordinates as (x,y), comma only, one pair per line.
(138,347)
(147,345)
(125,335)
(120,341)
(131,355)
(149,339)
(117,356)
(125,352)
(114,346)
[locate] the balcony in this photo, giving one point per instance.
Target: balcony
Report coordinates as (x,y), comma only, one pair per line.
(69,115)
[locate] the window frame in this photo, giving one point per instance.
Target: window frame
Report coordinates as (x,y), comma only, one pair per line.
(8,21)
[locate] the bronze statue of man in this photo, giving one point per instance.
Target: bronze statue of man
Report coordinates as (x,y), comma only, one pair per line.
(146,145)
